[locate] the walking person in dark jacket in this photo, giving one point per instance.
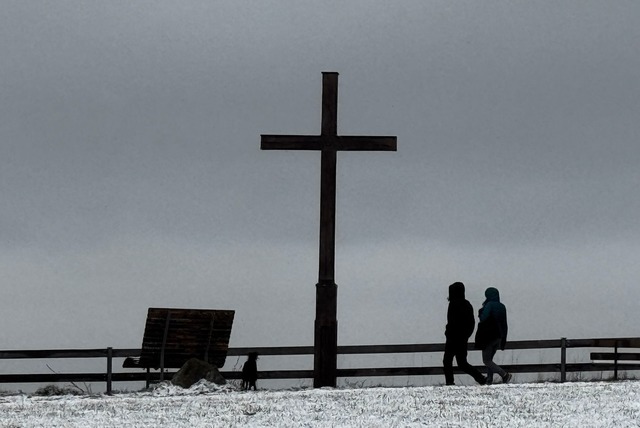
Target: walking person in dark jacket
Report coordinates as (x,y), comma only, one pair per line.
(460,325)
(492,333)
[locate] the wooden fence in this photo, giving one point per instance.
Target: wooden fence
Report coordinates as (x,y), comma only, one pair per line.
(560,365)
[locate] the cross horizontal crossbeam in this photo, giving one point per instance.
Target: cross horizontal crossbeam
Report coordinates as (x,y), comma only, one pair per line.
(326,142)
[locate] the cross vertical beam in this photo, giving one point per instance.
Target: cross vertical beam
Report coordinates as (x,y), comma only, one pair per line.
(328,142)
(328,163)
(326,323)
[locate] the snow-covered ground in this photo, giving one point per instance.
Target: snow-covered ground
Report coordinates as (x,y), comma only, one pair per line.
(601,404)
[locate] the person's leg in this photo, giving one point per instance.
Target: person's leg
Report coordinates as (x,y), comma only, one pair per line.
(461,360)
(487,358)
(447,362)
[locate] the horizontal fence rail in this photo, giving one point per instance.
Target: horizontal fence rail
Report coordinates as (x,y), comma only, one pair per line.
(601,361)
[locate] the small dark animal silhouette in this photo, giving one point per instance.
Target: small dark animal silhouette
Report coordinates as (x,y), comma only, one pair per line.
(250,372)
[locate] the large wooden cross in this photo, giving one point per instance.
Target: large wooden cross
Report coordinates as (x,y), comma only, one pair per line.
(328,142)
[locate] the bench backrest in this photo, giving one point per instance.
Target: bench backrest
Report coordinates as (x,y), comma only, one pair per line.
(173,336)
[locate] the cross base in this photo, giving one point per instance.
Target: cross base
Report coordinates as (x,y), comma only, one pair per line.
(326,336)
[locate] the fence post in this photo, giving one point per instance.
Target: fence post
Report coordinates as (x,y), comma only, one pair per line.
(615,361)
(109,369)
(563,359)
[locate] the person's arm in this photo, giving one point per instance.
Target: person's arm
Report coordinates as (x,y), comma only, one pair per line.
(485,311)
(503,343)
(449,328)
(469,320)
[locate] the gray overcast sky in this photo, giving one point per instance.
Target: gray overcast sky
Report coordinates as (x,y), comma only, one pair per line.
(131,175)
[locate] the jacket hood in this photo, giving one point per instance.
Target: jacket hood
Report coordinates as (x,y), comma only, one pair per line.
(492,294)
(456,291)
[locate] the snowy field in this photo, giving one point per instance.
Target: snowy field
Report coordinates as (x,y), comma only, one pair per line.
(601,404)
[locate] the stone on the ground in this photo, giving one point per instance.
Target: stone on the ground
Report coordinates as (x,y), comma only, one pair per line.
(194,370)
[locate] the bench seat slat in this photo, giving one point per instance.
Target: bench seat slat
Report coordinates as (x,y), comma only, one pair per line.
(611,356)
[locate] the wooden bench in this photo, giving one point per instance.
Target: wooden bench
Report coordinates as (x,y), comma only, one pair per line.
(173,336)
(614,358)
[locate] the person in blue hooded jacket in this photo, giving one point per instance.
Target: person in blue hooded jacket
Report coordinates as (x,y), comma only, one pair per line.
(460,325)
(492,333)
